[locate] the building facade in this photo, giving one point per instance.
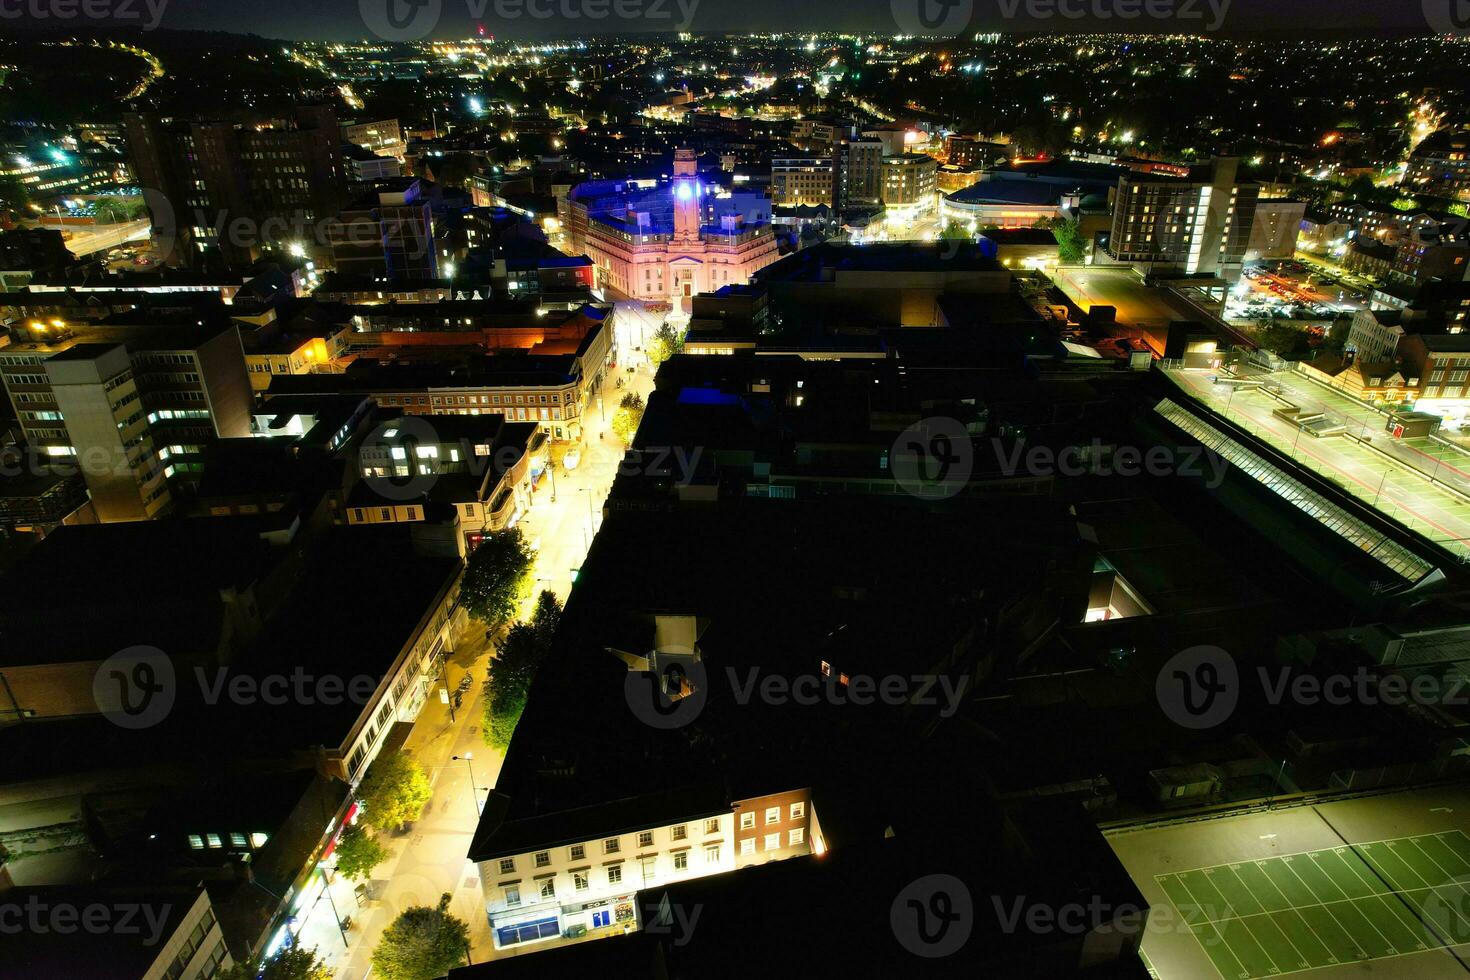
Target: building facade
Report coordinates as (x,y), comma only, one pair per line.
(639,257)
(131,408)
(1440,166)
(1192,226)
(799,181)
(910,184)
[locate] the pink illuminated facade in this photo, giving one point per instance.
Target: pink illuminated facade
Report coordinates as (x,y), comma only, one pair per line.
(642,255)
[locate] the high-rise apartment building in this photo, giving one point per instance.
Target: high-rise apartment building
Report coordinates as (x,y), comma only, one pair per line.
(236,189)
(797,181)
(910,184)
(387,233)
(1199,224)
(1440,166)
(857,172)
(132,407)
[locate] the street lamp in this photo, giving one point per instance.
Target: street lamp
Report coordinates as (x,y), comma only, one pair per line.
(474,790)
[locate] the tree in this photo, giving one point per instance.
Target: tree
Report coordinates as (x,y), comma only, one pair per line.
(359,852)
(422,943)
(394,791)
(664,344)
(625,420)
(496,577)
(291,963)
(1071,246)
(520,656)
(954,231)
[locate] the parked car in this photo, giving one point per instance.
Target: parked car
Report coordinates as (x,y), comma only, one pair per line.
(571,459)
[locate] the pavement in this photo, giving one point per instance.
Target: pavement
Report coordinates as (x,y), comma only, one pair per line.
(429,859)
(1395,486)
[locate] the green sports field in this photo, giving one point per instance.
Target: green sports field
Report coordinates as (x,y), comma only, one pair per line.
(1338,905)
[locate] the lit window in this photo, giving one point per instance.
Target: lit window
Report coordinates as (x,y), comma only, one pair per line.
(196,842)
(680,832)
(798,811)
(213,840)
(747,820)
(712,825)
(773,842)
(512,894)
(579,880)
(543,858)
(773,814)
(645,839)
(712,854)
(795,836)
(615,874)
(612,845)
(548,888)
(747,846)
(578,851)
(681,861)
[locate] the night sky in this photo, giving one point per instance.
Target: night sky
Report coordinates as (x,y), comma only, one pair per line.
(341,19)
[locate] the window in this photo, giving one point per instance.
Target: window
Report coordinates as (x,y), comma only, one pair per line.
(512,894)
(577,851)
(579,880)
(747,846)
(213,840)
(773,814)
(747,820)
(796,835)
(548,888)
(645,838)
(238,840)
(612,845)
(543,858)
(712,854)
(680,832)
(196,842)
(681,861)
(712,825)
(773,842)
(798,811)
(507,866)
(615,875)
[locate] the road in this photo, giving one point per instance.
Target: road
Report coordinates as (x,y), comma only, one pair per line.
(430,860)
(82,243)
(1397,489)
